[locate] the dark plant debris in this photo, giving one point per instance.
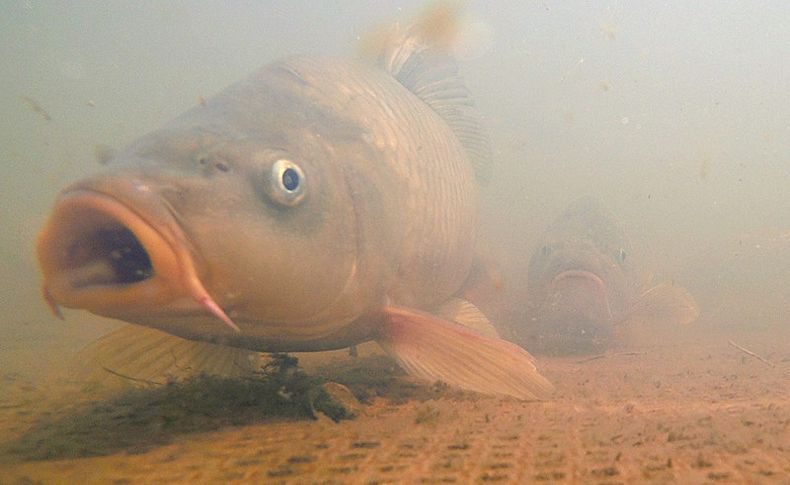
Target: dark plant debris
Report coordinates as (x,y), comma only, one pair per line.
(379,376)
(144,418)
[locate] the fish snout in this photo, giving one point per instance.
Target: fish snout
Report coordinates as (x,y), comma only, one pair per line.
(113,246)
(101,254)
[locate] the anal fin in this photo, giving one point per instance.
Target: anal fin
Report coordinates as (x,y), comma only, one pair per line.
(431,348)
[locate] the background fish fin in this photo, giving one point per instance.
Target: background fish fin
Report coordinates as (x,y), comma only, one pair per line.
(135,356)
(648,280)
(465,313)
(420,59)
(435,349)
(485,284)
(666,303)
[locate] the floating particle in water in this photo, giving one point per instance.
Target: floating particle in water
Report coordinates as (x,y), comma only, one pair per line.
(36,107)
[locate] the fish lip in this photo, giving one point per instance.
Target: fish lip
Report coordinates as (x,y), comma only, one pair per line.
(103,288)
(597,282)
(80,215)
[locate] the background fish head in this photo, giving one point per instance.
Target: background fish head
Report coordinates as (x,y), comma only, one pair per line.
(244,207)
(581,280)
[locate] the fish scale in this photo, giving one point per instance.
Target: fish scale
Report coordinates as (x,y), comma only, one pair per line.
(438,184)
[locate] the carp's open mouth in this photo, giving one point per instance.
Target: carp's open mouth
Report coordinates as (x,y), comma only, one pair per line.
(582,282)
(106,254)
(96,246)
(98,254)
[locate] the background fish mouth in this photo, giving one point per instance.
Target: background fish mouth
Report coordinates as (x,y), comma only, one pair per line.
(574,318)
(581,291)
(96,253)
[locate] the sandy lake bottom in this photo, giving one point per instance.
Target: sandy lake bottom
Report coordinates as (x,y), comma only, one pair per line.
(700,409)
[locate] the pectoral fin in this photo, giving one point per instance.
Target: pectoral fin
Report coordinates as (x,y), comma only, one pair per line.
(431,348)
(666,303)
(139,356)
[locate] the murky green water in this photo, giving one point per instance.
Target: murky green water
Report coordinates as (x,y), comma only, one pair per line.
(674,115)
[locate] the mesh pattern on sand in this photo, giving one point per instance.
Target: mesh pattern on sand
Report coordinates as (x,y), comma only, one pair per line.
(700,411)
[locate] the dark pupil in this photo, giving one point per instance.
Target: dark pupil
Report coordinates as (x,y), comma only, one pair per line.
(290,179)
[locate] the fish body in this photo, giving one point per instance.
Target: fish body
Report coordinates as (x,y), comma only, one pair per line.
(585,285)
(313,206)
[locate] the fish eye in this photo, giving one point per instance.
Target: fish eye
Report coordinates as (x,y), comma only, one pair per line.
(287,182)
(621,255)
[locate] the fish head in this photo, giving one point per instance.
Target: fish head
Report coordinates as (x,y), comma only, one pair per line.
(251,219)
(580,279)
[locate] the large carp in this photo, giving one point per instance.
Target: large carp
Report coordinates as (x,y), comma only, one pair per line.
(313,206)
(587,288)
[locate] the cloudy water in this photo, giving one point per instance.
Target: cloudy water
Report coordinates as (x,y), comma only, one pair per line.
(671,116)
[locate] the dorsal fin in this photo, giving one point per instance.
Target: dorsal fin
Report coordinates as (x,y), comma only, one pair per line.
(420,59)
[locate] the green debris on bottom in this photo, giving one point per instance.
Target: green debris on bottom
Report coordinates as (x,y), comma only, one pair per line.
(143,418)
(380,377)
